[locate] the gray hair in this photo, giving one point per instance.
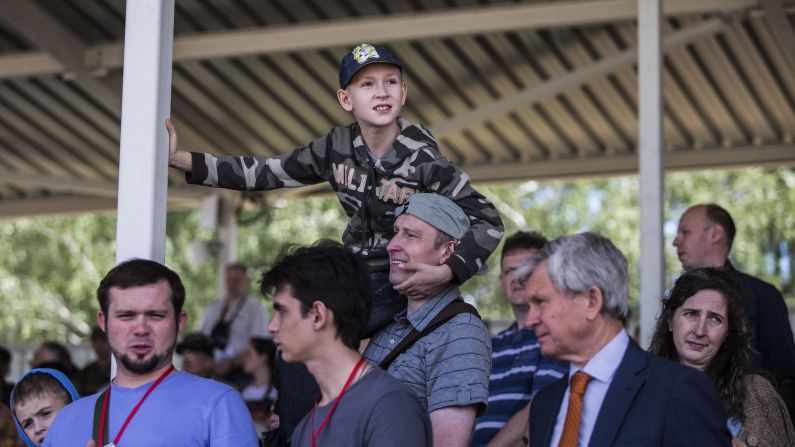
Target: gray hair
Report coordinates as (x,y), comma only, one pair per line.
(580,261)
(523,271)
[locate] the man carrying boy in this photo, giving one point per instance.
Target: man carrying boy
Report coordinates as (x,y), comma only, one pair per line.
(320,326)
(374,165)
(35,401)
(443,356)
(148,402)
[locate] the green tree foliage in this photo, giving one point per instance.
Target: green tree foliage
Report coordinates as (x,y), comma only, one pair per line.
(301,221)
(48,275)
(52,266)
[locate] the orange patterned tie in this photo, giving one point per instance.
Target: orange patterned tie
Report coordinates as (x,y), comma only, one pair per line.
(571,428)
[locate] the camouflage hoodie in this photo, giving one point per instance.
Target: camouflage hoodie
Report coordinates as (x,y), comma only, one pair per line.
(368,191)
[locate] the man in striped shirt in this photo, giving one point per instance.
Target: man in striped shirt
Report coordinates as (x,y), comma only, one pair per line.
(518,370)
(448,366)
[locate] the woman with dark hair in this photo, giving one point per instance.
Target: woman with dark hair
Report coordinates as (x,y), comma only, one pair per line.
(258,359)
(702,325)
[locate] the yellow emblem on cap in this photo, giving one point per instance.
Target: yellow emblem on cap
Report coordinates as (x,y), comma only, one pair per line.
(363,52)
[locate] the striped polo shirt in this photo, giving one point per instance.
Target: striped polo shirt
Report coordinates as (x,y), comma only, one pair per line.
(448,367)
(518,371)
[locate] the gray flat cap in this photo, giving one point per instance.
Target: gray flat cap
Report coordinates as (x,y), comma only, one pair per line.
(438,211)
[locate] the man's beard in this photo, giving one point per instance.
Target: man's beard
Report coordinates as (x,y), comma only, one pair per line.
(140,368)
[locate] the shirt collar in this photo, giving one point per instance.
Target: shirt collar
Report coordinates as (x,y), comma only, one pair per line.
(426,313)
(604,364)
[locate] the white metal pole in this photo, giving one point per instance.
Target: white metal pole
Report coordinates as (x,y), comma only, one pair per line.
(146,100)
(650,144)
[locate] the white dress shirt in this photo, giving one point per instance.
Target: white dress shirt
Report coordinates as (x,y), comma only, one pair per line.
(602,368)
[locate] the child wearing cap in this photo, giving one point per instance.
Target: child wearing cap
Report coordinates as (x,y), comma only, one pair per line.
(374,165)
(37,399)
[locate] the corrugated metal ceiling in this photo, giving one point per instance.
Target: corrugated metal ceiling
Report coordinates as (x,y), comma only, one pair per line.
(729,89)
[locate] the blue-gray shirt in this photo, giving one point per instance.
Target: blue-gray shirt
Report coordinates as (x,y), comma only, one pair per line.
(448,367)
(184,410)
(376,411)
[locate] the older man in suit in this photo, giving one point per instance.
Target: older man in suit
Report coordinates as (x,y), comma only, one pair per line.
(615,394)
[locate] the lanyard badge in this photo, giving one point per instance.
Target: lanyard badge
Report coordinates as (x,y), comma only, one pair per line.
(314,433)
(102,434)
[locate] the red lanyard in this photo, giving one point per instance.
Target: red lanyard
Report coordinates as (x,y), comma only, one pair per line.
(134,410)
(315,434)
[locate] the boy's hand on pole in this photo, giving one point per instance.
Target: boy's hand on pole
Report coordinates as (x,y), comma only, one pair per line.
(176,158)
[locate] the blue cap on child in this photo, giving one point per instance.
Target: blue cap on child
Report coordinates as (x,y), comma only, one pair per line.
(364,54)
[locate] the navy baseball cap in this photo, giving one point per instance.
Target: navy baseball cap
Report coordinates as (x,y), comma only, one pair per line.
(364,54)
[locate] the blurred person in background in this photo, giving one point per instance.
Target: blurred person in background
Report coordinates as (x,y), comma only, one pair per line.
(52,354)
(8,430)
(232,320)
(196,350)
(96,375)
(260,394)
(5,368)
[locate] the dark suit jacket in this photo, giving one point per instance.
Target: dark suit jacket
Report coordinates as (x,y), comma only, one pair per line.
(768,318)
(650,402)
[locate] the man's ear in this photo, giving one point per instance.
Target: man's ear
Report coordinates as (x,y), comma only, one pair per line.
(448,250)
(717,233)
(321,315)
(182,321)
(595,302)
(101,319)
(345,100)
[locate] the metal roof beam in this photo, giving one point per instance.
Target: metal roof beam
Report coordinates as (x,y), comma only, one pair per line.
(36,24)
(68,205)
(554,86)
(67,52)
(782,30)
(389,28)
(90,187)
(716,158)
(28,64)
(108,189)
(10,209)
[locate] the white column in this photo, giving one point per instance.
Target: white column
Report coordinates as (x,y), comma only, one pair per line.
(146,101)
(650,144)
